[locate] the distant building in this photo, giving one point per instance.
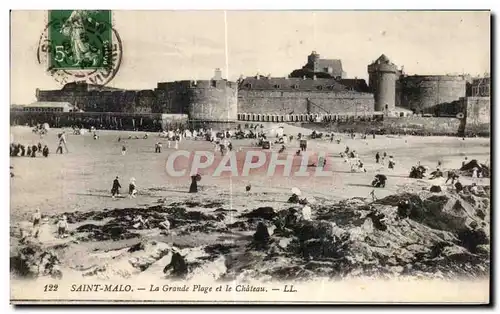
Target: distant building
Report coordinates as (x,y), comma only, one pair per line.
(322,68)
(49,106)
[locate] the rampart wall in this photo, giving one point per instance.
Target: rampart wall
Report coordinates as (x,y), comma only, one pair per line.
(422,93)
(303,102)
(478,115)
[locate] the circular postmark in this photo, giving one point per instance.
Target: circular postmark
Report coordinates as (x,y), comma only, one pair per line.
(80,46)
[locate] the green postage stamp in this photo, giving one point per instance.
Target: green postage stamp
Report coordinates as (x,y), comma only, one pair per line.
(80,39)
(80,45)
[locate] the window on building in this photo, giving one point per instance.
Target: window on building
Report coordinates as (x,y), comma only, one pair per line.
(214,83)
(320,87)
(248,85)
(295,86)
(277,86)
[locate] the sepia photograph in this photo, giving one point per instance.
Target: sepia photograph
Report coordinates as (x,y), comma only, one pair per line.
(250,157)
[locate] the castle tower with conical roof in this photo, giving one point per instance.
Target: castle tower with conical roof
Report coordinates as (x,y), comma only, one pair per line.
(383,75)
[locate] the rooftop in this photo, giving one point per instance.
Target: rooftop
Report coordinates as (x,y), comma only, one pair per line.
(294,84)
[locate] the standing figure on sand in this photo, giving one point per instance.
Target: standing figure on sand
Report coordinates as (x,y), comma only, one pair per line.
(62,142)
(193,188)
(132,189)
(158,147)
(115,189)
(37,217)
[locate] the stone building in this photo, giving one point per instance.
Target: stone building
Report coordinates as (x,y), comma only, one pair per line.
(288,99)
(324,68)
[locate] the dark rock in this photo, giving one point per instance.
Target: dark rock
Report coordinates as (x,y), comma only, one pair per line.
(219,249)
(239,225)
(87,228)
(32,261)
(404,209)
(136,247)
(436,189)
(261,236)
(192,204)
(287,218)
(315,229)
(178,267)
(377,220)
(437,249)
(480,213)
(470,239)
(294,199)
(224,210)
(323,248)
(266,213)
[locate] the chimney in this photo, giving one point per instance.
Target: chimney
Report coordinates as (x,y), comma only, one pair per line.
(218,74)
(257,76)
(269,76)
(304,77)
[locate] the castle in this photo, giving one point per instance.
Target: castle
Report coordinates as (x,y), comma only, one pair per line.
(319,90)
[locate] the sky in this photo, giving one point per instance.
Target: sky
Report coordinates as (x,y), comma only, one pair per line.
(161,46)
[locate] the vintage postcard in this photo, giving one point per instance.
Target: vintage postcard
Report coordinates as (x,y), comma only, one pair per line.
(291,157)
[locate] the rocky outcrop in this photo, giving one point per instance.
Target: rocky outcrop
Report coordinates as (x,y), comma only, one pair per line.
(32,261)
(420,234)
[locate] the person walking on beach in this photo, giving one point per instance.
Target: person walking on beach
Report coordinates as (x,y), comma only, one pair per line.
(124,150)
(37,217)
(377,158)
(115,189)
(59,149)
(158,147)
(62,226)
(62,141)
(132,190)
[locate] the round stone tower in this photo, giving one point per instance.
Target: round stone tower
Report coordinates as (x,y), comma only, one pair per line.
(383,75)
(313,58)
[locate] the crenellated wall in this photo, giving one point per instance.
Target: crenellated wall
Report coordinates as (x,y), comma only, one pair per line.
(303,102)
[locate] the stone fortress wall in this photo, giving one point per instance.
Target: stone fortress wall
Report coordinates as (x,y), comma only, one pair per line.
(305,95)
(207,100)
(425,92)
